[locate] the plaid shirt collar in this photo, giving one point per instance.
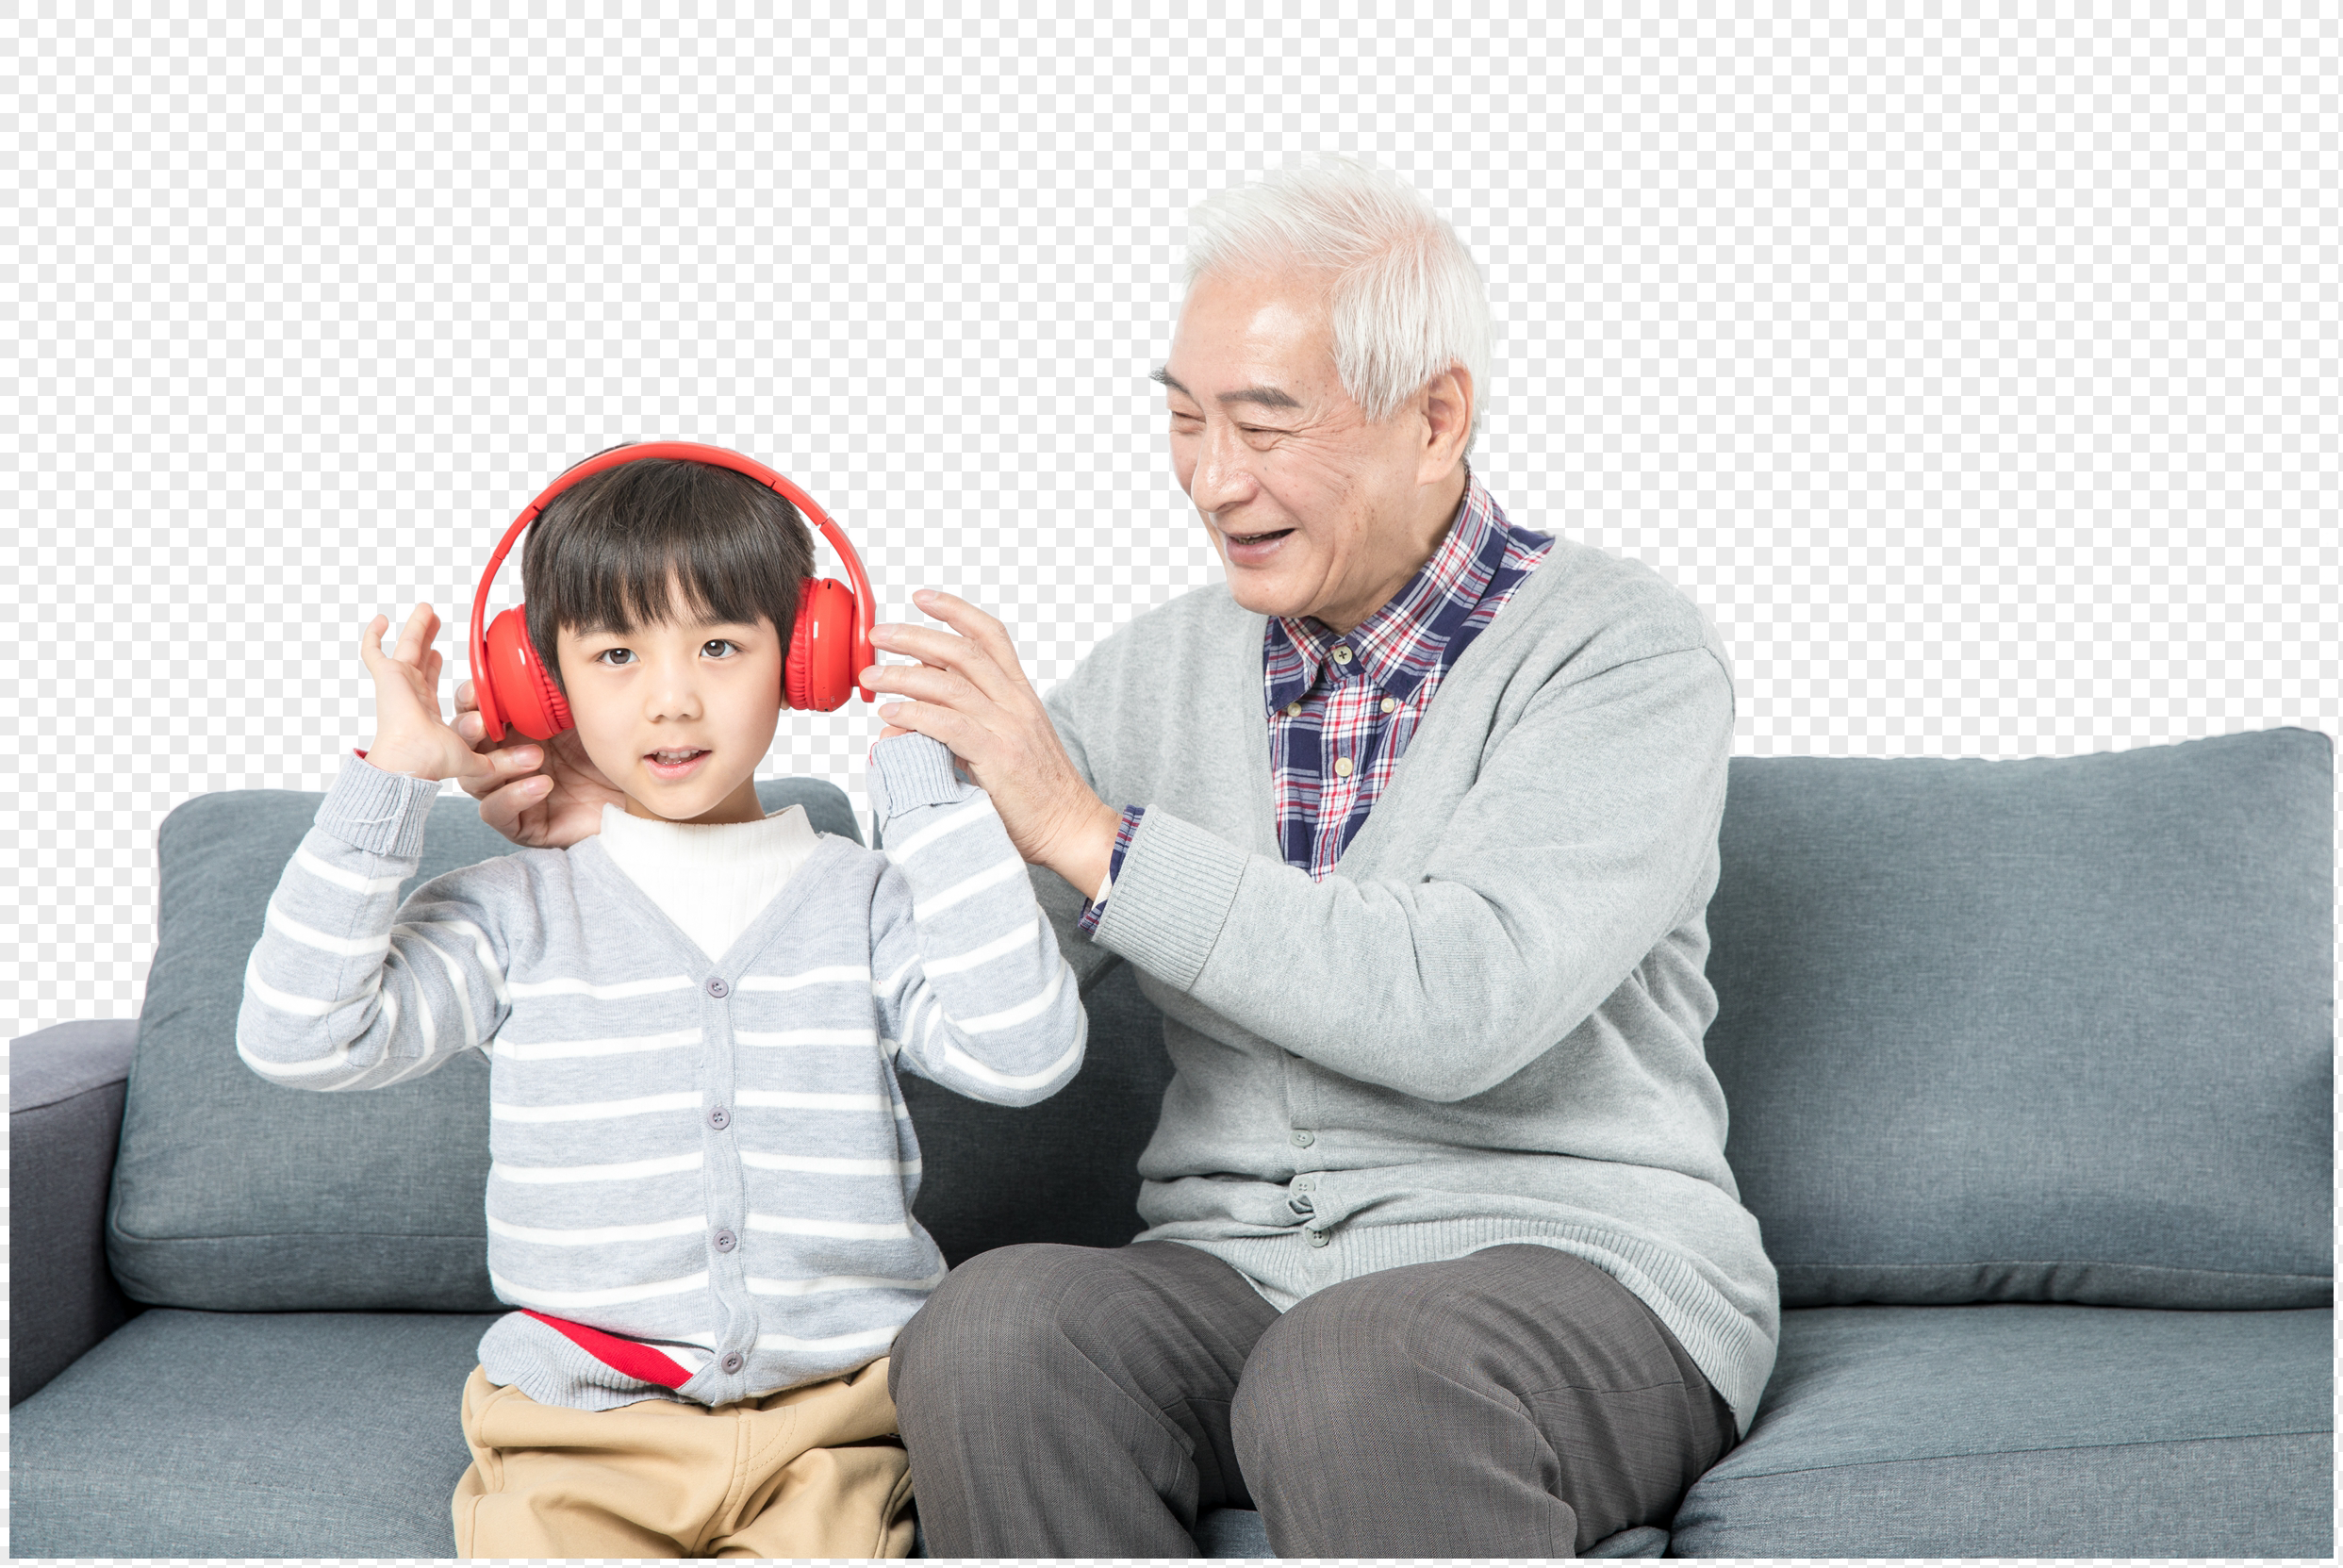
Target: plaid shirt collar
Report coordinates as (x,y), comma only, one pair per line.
(1399,644)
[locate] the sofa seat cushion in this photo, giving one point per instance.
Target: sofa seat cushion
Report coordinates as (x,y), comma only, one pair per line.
(248,1434)
(2031,1430)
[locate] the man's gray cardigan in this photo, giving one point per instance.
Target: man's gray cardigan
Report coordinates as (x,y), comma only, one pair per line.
(1484,1024)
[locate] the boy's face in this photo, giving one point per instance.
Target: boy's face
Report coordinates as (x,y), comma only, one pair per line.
(678,713)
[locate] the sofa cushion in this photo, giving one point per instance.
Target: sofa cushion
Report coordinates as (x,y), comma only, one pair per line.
(2031,1430)
(2052,1030)
(233,1193)
(237,1435)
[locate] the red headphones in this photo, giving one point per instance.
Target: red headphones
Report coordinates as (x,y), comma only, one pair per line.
(827,648)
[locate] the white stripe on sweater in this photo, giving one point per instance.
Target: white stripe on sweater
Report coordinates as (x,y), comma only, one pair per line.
(967,887)
(621,991)
(839,1283)
(825,1165)
(791,1100)
(586,1110)
(556,1051)
(1009,1017)
(870,1340)
(968,816)
(595,1236)
(866,1038)
(339,878)
(985,954)
(969,1066)
(625,1170)
(614,1297)
(300,1007)
(835,974)
(836,1230)
(309,936)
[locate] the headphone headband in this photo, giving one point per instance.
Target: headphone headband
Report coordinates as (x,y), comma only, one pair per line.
(686,452)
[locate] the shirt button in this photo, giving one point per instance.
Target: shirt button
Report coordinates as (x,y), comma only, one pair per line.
(1341,767)
(1292,710)
(1317,1238)
(717,989)
(726,1240)
(718,1117)
(1341,654)
(1390,705)
(1303,1137)
(734,1361)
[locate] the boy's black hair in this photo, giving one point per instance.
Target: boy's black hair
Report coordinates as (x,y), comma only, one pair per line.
(604,556)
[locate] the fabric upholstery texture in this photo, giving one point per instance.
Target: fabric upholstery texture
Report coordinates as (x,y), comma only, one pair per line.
(65,1095)
(248,1434)
(2031,1430)
(232,1194)
(2047,1029)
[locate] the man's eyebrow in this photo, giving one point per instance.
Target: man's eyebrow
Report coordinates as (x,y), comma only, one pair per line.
(1269,397)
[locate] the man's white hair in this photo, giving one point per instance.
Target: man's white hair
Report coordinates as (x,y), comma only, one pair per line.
(1406,300)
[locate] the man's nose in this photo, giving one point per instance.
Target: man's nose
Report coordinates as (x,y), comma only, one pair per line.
(1222,478)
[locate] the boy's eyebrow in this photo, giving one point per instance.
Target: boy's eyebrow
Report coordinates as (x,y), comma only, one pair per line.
(1267,397)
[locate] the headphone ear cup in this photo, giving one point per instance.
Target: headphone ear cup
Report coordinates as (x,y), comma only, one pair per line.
(820,672)
(525,693)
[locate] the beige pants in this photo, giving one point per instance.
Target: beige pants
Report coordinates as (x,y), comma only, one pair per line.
(813,1472)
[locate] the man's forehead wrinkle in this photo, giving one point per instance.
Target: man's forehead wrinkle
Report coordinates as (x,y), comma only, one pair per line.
(1269,397)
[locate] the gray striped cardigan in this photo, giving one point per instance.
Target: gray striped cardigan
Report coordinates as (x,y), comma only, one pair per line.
(703,1172)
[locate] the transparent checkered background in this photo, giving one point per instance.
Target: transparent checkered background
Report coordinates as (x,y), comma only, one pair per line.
(1979,376)
(1977,373)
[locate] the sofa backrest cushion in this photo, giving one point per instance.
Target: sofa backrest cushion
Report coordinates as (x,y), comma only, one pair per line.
(233,1194)
(2055,1029)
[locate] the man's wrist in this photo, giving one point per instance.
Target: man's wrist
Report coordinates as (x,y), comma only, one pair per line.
(1083,854)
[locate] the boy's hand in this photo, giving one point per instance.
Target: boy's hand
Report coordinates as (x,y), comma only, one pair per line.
(409,734)
(542,795)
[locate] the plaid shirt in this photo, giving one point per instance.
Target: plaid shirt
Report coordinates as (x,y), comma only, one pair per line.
(1342,708)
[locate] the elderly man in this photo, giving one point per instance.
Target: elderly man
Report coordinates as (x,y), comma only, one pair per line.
(1410,830)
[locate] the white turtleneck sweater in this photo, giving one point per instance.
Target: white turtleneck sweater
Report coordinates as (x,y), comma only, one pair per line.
(711,880)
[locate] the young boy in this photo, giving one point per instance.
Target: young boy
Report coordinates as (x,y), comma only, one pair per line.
(701,1195)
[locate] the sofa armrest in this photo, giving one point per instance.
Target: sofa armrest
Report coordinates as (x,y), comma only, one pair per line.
(65,1096)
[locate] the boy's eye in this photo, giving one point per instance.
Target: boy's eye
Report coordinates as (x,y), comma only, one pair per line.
(718,647)
(615,657)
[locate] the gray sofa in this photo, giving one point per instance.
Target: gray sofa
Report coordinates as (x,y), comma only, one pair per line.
(2030,1072)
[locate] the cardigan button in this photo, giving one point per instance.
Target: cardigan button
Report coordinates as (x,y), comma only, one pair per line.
(718,1117)
(734,1361)
(717,989)
(1317,1238)
(726,1240)
(1303,1137)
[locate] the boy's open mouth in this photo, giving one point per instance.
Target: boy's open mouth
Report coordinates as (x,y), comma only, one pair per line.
(676,762)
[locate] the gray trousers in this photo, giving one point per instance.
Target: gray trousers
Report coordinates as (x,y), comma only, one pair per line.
(1067,1401)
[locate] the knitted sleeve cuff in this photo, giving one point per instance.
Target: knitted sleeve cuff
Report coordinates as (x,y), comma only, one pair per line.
(908,771)
(380,813)
(1171,897)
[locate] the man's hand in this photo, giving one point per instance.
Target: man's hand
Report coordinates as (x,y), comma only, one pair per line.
(970,692)
(543,795)
(410,736)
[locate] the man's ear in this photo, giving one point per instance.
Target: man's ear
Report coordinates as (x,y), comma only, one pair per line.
(1445,406)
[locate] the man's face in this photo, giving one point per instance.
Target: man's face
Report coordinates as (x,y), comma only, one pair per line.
(1314,510)
(678,713)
